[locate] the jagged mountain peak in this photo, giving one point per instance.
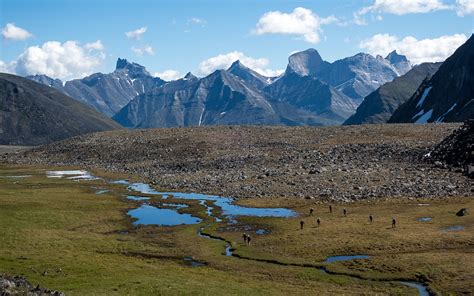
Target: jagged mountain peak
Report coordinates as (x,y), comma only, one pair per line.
(305,62)
(237,63)
(134,69)
(239,66)
(395,58)
(189,75)
(248,75)
(46,80)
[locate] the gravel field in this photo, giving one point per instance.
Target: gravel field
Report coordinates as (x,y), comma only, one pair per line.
(342,163)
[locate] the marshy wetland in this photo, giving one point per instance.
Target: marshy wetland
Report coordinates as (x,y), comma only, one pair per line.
(58,232)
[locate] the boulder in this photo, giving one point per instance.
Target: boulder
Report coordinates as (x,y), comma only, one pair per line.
(462,212)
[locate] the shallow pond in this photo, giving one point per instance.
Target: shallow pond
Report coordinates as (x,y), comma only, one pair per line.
(424,219)
(262,231)
(454,228)
(190,261)
(225,203)
(120,182)
(150,215)
(137,198)
(72,174)
(345,258)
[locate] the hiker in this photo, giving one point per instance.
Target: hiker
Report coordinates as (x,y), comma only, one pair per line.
(330,209)
(245,236)
(248,240)
(301,224)
(371,219)
(344,212)
(311,211)
(318,221)
(394,223)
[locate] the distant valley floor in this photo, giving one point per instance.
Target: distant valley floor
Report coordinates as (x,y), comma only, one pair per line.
(330,163)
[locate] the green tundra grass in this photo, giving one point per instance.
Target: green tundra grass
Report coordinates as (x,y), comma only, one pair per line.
(60,234)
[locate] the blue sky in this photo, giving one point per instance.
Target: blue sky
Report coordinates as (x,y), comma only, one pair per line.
(182,35)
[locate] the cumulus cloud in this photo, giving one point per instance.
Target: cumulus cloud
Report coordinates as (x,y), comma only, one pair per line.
(97,45)
(136,34)
(12,32)
(168,75)
(417,51)
(66,60)
(301,22)
(224,61)
(464,7)
(400,7)
(145,50)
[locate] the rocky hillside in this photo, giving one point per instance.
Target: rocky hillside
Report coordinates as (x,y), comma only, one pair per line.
(448,96)
(34,114)
(457,150)
(335,163)
(379,106)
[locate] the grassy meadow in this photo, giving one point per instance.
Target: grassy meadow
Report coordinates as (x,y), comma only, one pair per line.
(60,234)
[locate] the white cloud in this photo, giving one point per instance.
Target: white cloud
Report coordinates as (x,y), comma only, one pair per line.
(464,7)
(417,51)
(197,21)
(5,68)
(358,18)
(66,60)
(136,34)
(147,49)
(12,32)
(97,45)
(400,7)
(223,61)
(301,22)
(168,75)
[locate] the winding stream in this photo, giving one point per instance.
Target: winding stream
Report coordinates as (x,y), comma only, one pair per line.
(147,214)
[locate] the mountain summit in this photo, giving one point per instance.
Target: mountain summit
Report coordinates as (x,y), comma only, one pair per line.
(307,62)
(400,62)
(248,75)
(134,70)
(395,58)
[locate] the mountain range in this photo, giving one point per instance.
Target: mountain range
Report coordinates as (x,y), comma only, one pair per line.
(34,114)
(360,89)
(310,92)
